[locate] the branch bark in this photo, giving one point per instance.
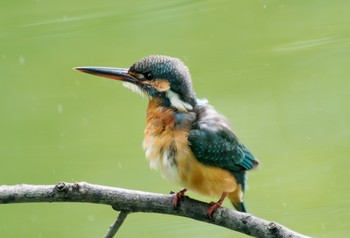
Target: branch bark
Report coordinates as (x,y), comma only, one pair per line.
(113,229)
(130,201)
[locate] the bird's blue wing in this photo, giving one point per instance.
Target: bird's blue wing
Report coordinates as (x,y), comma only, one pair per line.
(221,149)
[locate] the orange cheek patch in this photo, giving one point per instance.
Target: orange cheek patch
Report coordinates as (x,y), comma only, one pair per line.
(161,85)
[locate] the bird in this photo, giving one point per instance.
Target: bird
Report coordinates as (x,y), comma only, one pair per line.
(185,138)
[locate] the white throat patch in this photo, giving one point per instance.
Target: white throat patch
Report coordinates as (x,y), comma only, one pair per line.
(177,102)
(134,88)
(174,98)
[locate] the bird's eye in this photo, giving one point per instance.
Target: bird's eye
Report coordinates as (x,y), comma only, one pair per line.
(148,76)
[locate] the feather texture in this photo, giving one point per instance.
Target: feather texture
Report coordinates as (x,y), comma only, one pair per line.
(214,143)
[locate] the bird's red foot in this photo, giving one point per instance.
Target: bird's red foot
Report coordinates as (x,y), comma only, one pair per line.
(178,197)
(215,205)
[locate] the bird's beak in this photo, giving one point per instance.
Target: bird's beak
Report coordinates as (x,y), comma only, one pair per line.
(112,73)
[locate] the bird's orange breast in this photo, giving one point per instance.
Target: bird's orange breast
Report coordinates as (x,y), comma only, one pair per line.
(161,140)
(167,150)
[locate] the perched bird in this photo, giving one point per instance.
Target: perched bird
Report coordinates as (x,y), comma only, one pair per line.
(185,138)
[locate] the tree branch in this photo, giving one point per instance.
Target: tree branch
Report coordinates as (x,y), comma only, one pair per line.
(113,229)
(129,201)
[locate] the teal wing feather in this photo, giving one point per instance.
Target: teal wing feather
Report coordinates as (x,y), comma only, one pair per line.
(221,149)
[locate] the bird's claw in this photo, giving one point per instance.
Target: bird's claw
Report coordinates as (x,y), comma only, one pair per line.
(215,205)
(178,196)
(212,208)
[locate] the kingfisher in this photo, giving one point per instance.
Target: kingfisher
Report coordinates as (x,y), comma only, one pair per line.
(185,138)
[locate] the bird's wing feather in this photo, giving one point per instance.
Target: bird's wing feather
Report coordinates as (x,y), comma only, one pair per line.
(220,149)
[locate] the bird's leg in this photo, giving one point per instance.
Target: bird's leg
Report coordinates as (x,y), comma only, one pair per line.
(178,196)
(215,205)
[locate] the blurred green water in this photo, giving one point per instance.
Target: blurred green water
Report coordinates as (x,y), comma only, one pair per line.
(278,69)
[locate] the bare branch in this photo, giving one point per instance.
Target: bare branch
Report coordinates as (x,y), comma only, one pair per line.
(138,201)
(113,229)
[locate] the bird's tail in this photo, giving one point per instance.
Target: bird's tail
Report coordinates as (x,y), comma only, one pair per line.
(240,206)
(236,199)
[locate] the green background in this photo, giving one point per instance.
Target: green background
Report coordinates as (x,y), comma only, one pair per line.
(278,69)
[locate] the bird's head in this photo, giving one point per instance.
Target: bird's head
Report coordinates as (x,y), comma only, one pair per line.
(160,77)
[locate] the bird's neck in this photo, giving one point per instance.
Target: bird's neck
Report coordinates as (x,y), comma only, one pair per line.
(160,118)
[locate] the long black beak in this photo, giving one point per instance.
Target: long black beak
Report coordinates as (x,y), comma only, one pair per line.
(112,73)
